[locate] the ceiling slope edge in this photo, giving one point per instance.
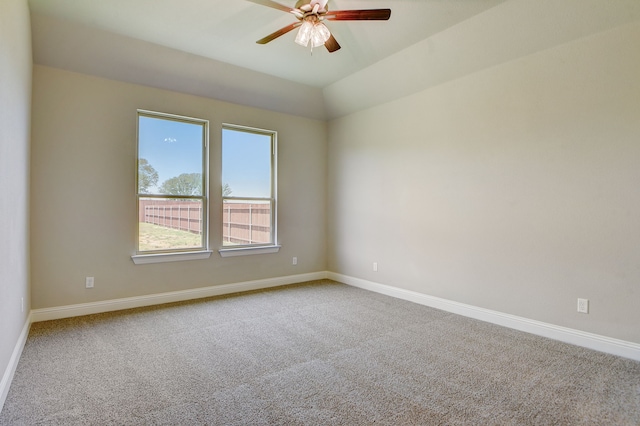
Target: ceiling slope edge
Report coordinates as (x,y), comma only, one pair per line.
(56,43)
(504,33)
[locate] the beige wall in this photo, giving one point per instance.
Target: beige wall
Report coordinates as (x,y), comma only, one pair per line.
(83,203)
(15,105)
(515,189)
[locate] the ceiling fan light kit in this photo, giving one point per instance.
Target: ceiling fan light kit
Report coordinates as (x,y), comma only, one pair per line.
(315,32)
(310,16)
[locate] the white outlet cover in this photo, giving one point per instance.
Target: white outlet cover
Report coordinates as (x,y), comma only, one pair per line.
(583,306)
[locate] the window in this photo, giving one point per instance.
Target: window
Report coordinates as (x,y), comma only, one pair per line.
(248,190)
(171,184)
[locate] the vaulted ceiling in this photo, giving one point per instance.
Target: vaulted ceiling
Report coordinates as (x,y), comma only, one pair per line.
(207,47)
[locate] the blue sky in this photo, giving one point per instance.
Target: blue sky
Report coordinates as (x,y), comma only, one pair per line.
(246,163)
(175,147)
(171,147)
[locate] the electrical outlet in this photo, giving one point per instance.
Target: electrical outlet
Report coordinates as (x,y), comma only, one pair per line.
(89,281)
(294,261)
(583,306)
(22,304)
(375,266)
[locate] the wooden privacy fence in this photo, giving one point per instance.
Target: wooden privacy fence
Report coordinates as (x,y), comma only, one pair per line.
(242,223)
(246,223)
(183,215)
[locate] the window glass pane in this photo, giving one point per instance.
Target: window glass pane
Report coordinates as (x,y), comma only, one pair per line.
(167,224)
(246,222)
(248,186)
(246,164)
(172,176)
(170,157)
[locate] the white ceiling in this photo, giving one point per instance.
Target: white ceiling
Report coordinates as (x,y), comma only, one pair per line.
(207,47)
(227,30)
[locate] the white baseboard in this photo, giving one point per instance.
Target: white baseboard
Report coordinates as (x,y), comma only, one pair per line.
(7,377)
(576,337)
(68,311)
(588,340)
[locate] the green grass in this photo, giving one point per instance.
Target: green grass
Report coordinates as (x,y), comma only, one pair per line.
(154,237)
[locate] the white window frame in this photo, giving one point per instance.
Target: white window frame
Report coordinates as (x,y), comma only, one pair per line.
(256,248)
(172,255)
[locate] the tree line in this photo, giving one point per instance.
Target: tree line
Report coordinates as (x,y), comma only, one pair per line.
(183,184)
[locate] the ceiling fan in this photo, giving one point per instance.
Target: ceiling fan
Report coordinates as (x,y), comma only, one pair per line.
(311,14)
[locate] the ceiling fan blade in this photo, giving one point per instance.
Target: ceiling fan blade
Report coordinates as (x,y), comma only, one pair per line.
(273,5)
(359,15)
(278,33)
(331,44)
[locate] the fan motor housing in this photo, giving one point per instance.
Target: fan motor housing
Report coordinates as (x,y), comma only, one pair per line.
(301,3)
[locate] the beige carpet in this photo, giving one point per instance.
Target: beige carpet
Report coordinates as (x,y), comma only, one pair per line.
(318,353)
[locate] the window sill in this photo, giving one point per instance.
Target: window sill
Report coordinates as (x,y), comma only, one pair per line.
(141,259)
(246,251)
